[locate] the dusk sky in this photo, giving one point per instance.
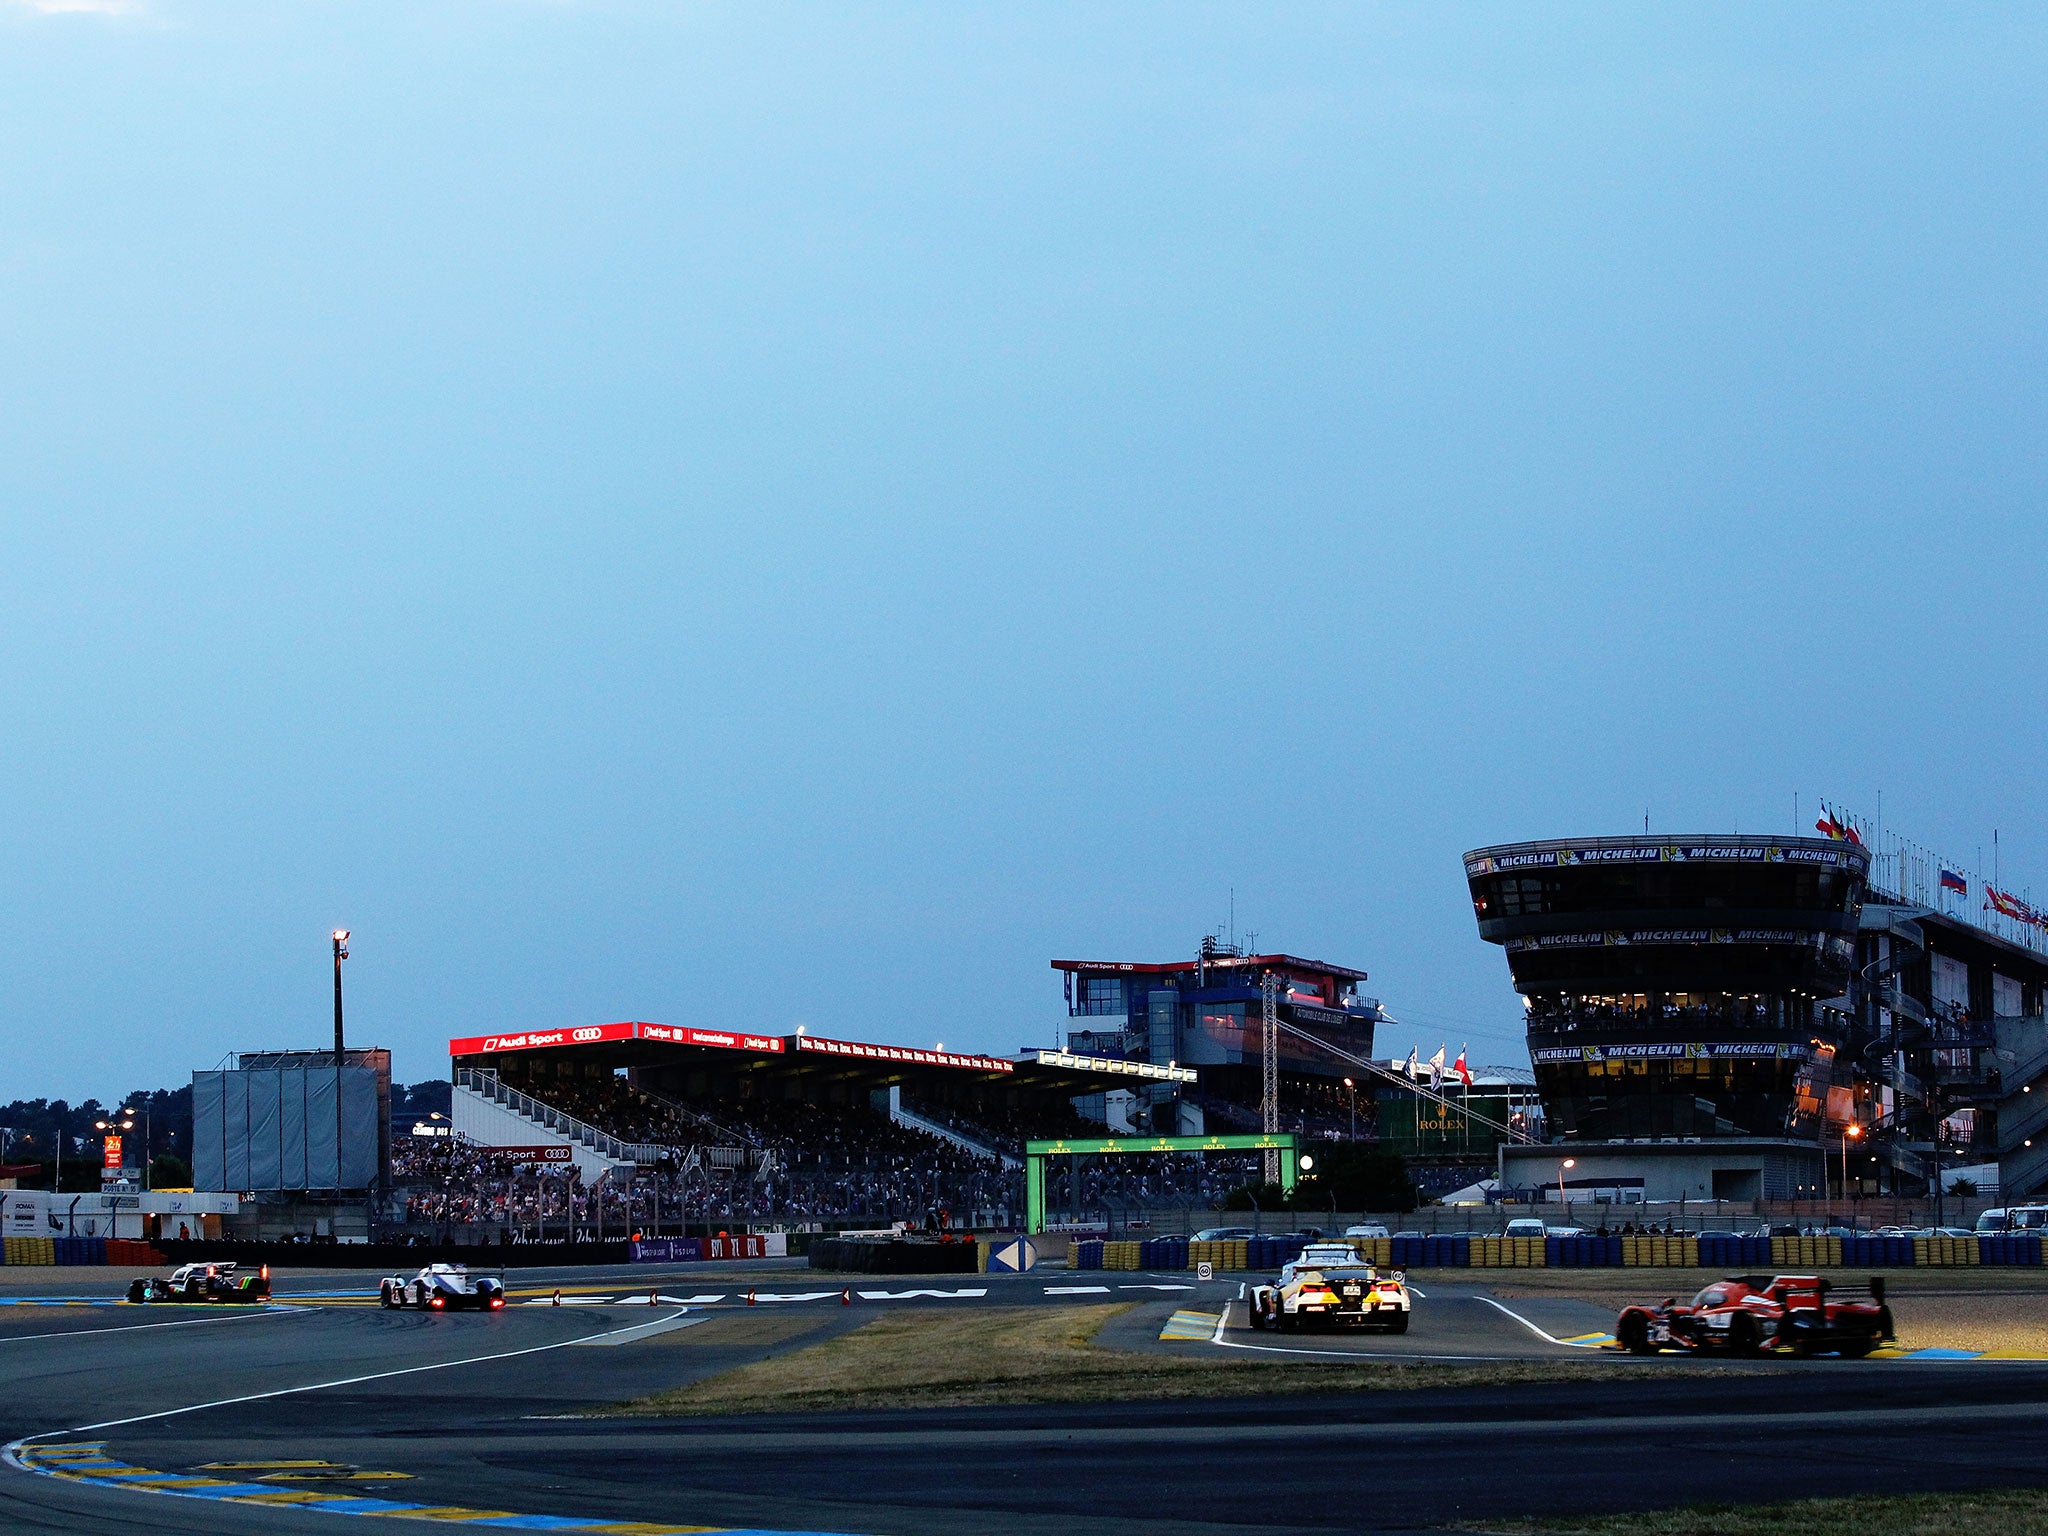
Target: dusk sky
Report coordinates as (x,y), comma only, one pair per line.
(760,515)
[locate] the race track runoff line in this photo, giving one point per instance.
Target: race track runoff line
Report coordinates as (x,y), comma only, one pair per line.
(183,1322)
(87,1463)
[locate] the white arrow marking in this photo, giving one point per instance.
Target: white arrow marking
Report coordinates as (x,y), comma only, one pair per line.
(909,1295)
(1077,1290)
(795,1296)
(1155,1287)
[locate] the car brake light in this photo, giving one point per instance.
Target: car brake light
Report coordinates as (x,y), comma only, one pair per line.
(497,1302)
(436,1302)
(264,1271)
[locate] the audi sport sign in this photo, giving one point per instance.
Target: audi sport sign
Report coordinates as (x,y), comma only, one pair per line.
(593,1034)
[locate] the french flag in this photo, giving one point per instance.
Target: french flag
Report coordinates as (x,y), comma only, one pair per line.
(1951,881)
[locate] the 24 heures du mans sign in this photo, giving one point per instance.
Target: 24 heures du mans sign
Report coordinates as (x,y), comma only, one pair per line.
(592,1034)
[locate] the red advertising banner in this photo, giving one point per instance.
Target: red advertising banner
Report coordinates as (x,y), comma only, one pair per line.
(110,1156)
(592,1034)
(538,1039)
(719,1037)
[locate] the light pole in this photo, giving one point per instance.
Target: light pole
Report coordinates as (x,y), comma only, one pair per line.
(1565,1199)
(1849,1133)
(1351,1092)
(340,954)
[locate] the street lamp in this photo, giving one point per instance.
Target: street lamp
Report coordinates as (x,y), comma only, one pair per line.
(1351,1092)
(1849,1134)
(1564,1195)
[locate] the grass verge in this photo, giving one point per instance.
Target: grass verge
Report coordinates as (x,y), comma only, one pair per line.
(936,1358)
(2005,1512)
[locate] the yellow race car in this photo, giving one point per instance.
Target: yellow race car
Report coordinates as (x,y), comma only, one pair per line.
(1331,1284)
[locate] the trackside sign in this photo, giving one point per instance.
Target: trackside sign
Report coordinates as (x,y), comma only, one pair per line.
(593,1034)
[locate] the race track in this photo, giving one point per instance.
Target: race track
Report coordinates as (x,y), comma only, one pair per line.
(482,1419)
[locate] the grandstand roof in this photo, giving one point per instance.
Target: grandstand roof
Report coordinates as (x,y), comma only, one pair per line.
(638,1043)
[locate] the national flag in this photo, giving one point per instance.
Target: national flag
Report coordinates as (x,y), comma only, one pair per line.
(1436,1068)
(1951,881)
(1461,1069)
(2011,906)
(1834,826)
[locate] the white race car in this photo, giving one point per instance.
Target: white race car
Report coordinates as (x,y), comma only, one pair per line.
(444,1288)
(1330,1283)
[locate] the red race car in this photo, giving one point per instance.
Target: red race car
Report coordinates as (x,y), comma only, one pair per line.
(1751,1314)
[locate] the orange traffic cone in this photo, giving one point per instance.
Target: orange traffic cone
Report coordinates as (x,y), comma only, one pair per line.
(846,1297)
(558,1298)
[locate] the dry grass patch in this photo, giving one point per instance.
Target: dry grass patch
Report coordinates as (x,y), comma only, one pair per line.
(939,1358)
(2010,1512)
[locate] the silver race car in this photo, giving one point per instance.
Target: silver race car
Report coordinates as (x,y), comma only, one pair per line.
(444,1288)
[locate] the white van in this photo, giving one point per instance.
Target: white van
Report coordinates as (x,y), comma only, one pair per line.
(2014,1218)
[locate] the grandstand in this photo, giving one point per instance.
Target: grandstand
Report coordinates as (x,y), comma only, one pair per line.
(606,1130)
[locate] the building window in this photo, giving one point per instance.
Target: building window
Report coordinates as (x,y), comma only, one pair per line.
(1102,994)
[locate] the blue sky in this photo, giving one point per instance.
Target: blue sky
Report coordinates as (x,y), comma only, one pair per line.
(803,514)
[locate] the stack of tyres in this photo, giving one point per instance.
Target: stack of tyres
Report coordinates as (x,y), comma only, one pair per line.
(1795,1254)
(1120,1255)
(1661,1252)
(1430,1252)
(81,1250)
(1204,1251)
(1871,1252)
(1735,1253)
(1509,1252)
(1582,1252)
(30,1250)
(2007,1248)
(1163,1253)
(1088,1254)
(1374,1250)
(1236,1253)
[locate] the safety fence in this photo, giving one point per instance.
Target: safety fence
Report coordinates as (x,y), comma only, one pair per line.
(82,1250)
(1632,1252)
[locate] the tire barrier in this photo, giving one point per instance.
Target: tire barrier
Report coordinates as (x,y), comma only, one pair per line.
(2006,1248)
(1741,1253)
(1672,1251)
(1430,1252)
(1954,1250)
(1804,1253)
(888,1257)
(129,1253)
(1582,1252)
(1509,1252)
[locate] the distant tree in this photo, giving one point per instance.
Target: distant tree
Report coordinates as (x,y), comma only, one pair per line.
(1964,1187)
(169,1172)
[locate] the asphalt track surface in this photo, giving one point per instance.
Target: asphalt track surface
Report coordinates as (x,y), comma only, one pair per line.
(484,1426)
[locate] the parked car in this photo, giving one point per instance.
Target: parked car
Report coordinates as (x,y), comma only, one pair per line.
(1715,1232)
(1222,1234)
(1367,1229)
(1526,1226)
